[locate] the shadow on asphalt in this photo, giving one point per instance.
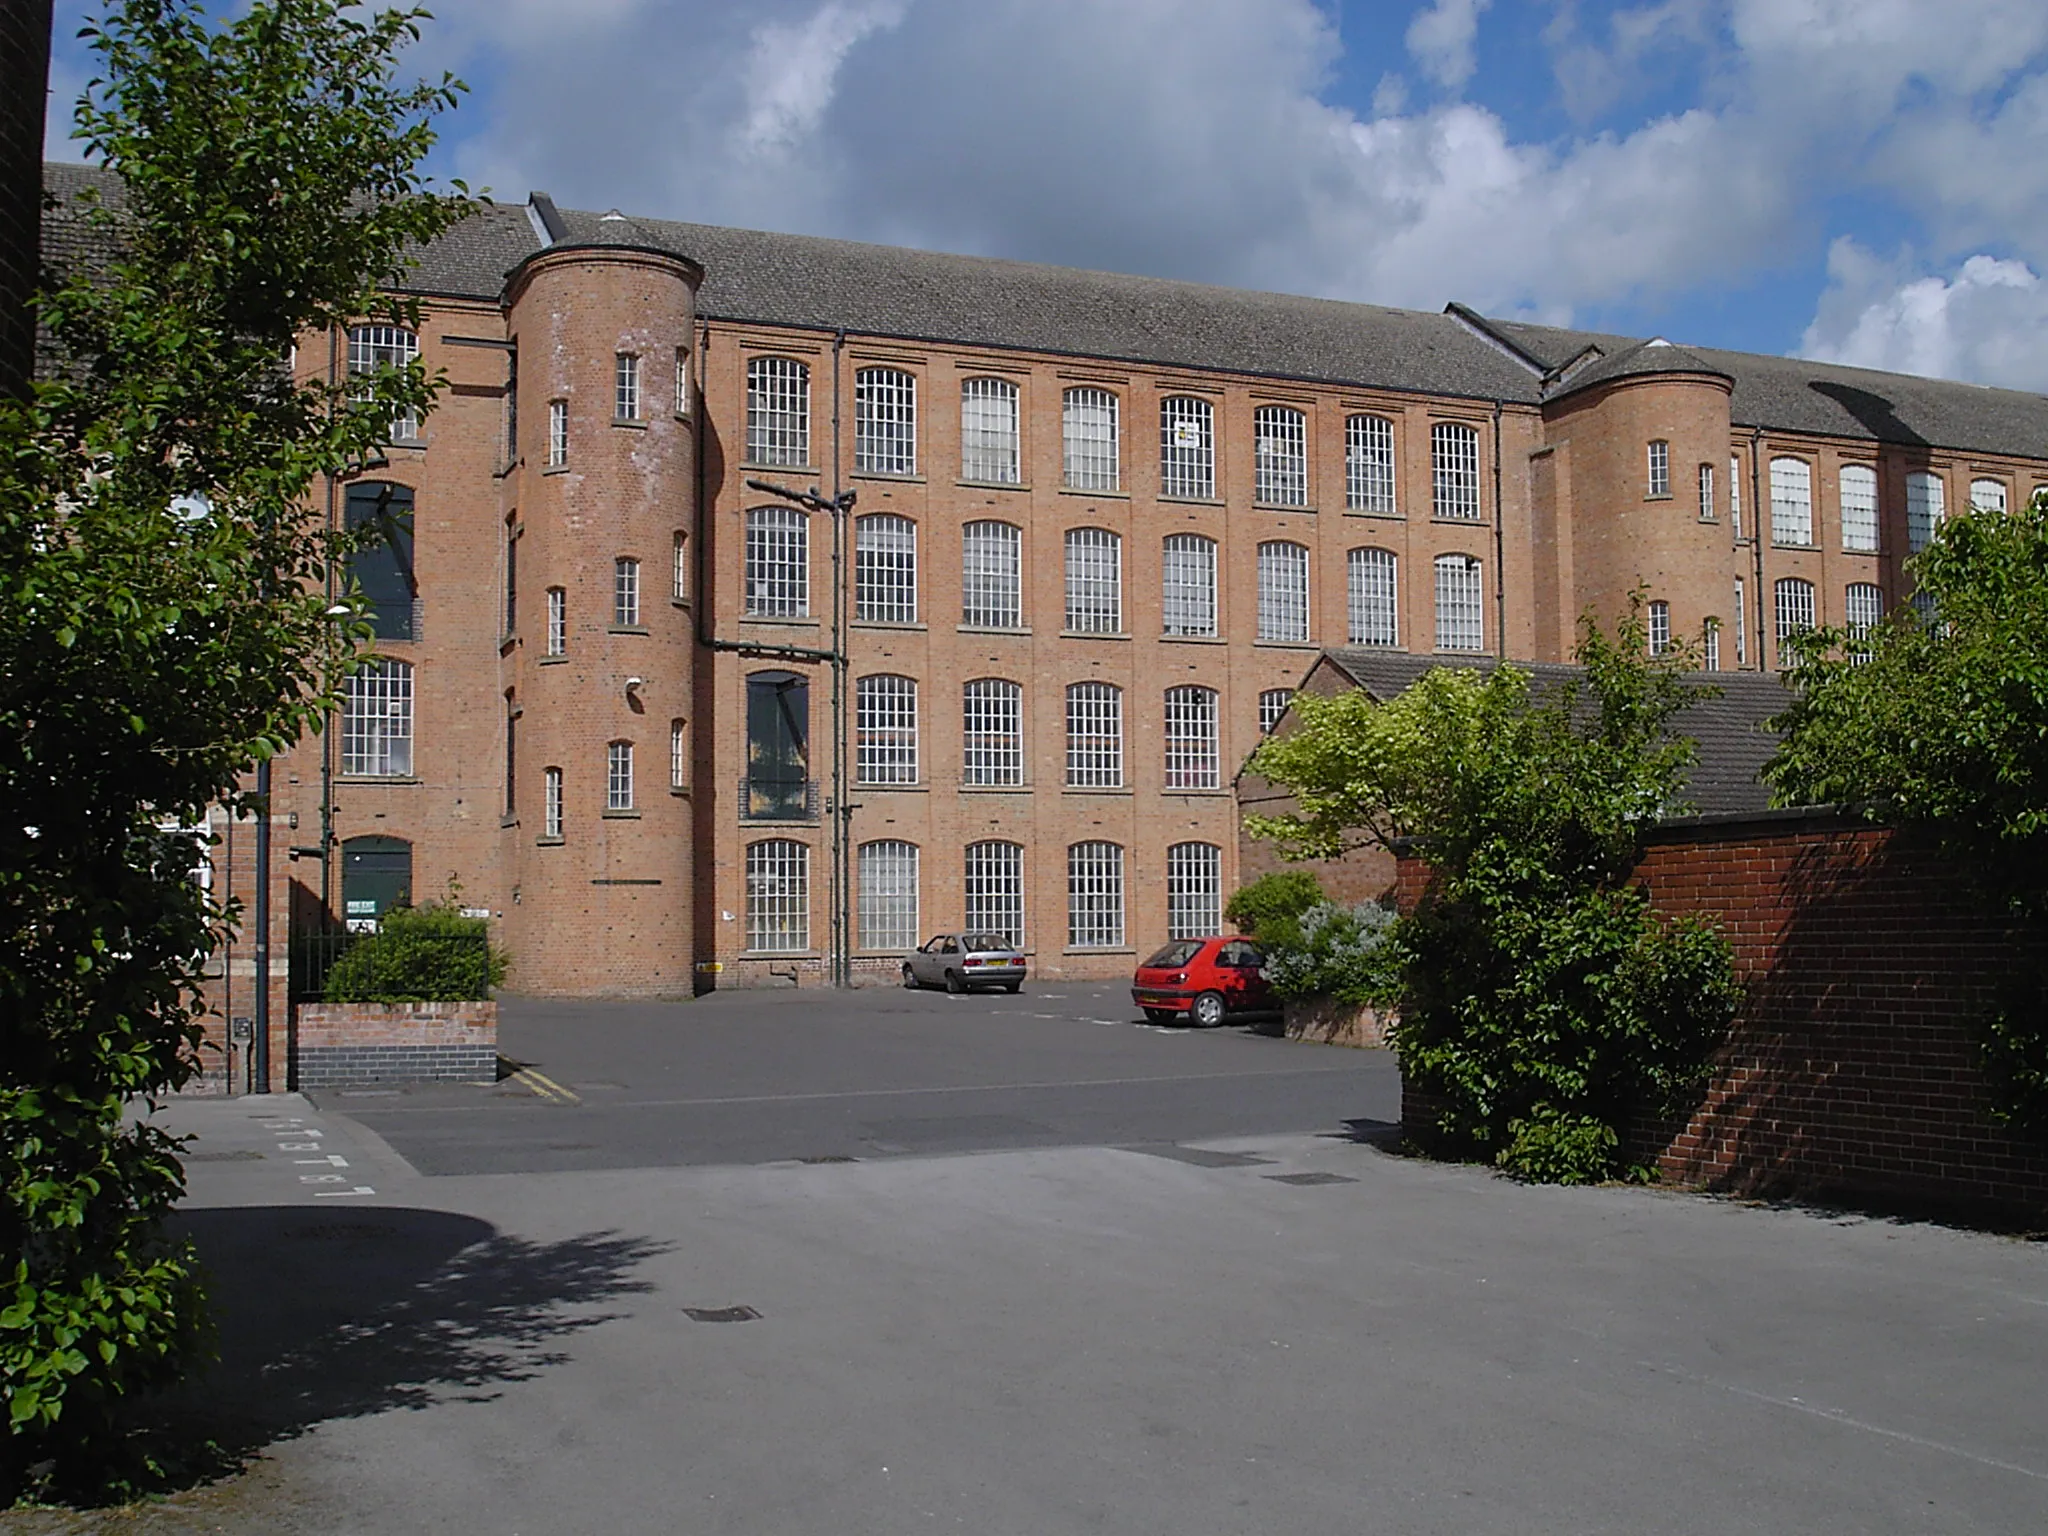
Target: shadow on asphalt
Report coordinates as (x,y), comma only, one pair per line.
(331,1314)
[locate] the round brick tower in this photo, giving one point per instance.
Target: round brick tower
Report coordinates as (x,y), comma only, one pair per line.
(599,671)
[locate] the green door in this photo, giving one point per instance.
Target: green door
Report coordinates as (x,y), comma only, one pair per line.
(376,875)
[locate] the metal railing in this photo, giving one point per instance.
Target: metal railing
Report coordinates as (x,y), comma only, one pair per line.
(778,799)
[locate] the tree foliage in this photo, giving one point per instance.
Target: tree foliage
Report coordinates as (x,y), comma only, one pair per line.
(1270,907)
(1938,720)
(163,623)
(1543,1004)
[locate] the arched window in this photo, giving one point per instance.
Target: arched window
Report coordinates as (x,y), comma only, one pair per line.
(1791,502)
(992,576)
(1187,447)
(372,348)
(376,720)
(618,776)
(992,732)
(1794,610)
(994,889)
(1988,494)
(1095,581)
(1095,896)
(1283,591)
(1192,756)
(1858,484)
(1095,736)
(885,569)
(778,574)
(1273,704)
(1369,465)
(1460,604)
(1188,585)
(1280,438)
(1659,627)
(885,421)
(1372,597)
(383,568)
(1924,509)
(778,896)
(778,782)
(989,439)
(1194,890)
(1659,480)
(778,411)
(885,730)
(887,879)
(1088,430)
(1454,470)
(1710,645)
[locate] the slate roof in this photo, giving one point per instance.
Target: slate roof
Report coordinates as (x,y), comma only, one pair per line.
(1734,743)
(801,280)
(1643,359)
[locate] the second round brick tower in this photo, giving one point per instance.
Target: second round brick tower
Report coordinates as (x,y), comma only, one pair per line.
(600,514)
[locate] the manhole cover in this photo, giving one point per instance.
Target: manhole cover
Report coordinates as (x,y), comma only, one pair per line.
(1310,1178)
(720,1314)
(240,1156)
(1202,1159)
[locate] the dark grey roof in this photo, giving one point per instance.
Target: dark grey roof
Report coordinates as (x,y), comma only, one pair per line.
(1791,394)
(1734,743)
(1643,360)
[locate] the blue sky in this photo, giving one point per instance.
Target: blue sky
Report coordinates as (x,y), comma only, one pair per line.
(1863,180)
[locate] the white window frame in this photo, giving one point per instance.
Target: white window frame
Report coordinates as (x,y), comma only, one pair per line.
(1659,479)
(1280,456)
(992,733)
(618,776)
(558,622)
(625,593)
(1370,481)
(886,874)
(558,433)
(885,729)
(778,563)
(992,575)
(1372,593)
(1862,608)
(1791,502)
(1460,603)
(884,421)
(1194,890)
(1283,592)
(1187,448)
(1707,507)
(1090,440)
(1273,704)
(1187,584)
(1793,603)
(377,720)
(778,874)
(551,803)
(1095,581)
(1926,505)
(1659,627)
(992,886)
(678,755)
(1990,495)
(1193,752)
(626,386)
(1741,622)
(1735,502)
(1095,895)
(682,381)
(1095,736)
(884,569)
(1454,472)
(679,575)
(371,347)
(1856,488)
(991,436)
(778,411)
(1710,645)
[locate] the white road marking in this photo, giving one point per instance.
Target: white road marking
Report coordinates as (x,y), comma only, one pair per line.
(329,1194)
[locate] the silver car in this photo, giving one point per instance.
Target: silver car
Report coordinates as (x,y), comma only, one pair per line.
(960,961)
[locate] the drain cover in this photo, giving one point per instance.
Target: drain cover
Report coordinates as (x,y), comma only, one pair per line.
(720,1314)
(1310,1178)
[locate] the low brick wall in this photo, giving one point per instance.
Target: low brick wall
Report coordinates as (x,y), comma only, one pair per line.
(1852,1067)
(344,1045)
(1332,1023)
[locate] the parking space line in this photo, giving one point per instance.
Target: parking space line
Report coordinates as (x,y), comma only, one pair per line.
(542,1086)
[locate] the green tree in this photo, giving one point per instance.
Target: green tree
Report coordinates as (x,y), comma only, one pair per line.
(163,625)
(1543,1003)
(1938,720)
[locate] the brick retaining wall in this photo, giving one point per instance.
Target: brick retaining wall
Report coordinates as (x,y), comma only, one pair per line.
(1852,1065)
(343,1045)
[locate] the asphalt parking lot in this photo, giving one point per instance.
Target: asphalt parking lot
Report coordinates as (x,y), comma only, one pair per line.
(768,1076)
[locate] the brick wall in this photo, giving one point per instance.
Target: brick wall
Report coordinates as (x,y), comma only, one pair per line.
(345,1044)
(1851,1070)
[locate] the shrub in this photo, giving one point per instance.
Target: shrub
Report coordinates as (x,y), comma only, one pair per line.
(1270,908)
(1338,952)
(429,954)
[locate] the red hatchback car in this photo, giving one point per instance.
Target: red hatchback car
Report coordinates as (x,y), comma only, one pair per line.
(1204,978)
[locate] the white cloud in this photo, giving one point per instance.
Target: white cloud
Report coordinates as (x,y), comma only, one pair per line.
(1441,39)
(1987,321)
(792,70)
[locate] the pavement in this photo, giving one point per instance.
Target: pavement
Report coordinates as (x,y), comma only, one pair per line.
(1046,1315)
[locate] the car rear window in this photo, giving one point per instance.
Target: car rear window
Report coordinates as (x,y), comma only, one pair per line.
(1176,954)
(974,942)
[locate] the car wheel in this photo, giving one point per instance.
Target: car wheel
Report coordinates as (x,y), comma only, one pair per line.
(954,984)
(1207,1011)
(1159,1015)
(910,978)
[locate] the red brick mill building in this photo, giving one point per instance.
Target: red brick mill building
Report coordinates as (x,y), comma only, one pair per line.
(674,731)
